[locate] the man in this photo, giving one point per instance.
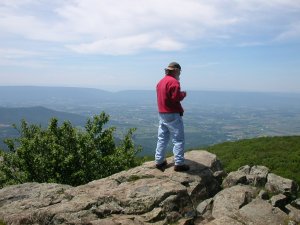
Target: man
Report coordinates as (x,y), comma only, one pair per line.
(170,111)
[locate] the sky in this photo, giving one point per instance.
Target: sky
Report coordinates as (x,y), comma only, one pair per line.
(222,45)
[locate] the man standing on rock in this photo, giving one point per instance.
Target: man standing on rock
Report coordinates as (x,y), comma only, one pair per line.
(170,111)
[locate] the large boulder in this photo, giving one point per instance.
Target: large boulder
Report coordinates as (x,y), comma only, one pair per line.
(282,185)
(228,201)
(260,212)
(140,195)
(255,175)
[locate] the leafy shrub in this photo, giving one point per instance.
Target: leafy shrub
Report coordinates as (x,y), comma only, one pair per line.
(65,154)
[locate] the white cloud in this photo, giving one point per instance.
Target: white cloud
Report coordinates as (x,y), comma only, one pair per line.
(250,44)
(128,45)
(18,57)
(114,17)
(261,5)
(15,3)
(114,26)
(12,53)
(167,44)
(291,33)
(131,26)
(117,46)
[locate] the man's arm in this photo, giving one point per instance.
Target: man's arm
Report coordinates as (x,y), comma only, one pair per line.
(177,95)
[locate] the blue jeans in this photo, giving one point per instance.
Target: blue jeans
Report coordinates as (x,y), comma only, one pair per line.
(170,125)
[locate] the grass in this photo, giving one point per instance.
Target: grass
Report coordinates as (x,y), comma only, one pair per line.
(280,154)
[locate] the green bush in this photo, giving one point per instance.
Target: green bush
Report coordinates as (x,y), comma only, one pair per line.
(65,154)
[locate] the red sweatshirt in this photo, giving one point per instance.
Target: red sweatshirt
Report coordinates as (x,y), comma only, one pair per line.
(169,95)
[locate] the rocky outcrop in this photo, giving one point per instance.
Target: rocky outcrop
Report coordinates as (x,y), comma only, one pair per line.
(146,195)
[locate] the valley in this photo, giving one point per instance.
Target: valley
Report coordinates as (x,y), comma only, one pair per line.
(209,118)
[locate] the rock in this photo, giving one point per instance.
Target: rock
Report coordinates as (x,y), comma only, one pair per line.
(293,213)
(205,159)
(19,202)
(244,169)
(234,178)
(278,201)
(205,206)
(263,195)
(220,175)
(258,176)
(260,212)
(114,220)
(228,201)
(224,220)
(282,185)
(255,175)
(141,195)
(296,203)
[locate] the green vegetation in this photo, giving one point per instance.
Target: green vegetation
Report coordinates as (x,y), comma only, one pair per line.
(280,154)
(65,154)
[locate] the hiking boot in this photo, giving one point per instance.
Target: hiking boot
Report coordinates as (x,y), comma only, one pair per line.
(161,166)
(181,168)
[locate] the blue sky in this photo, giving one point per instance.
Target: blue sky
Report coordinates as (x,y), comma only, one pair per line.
(236,45)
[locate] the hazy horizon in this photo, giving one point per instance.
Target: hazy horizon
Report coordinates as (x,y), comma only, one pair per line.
(153,89)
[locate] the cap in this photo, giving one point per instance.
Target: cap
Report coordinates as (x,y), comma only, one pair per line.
(173,66)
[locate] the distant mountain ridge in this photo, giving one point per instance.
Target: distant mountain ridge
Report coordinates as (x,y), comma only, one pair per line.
(37,115)
(34,95)
(30,95)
